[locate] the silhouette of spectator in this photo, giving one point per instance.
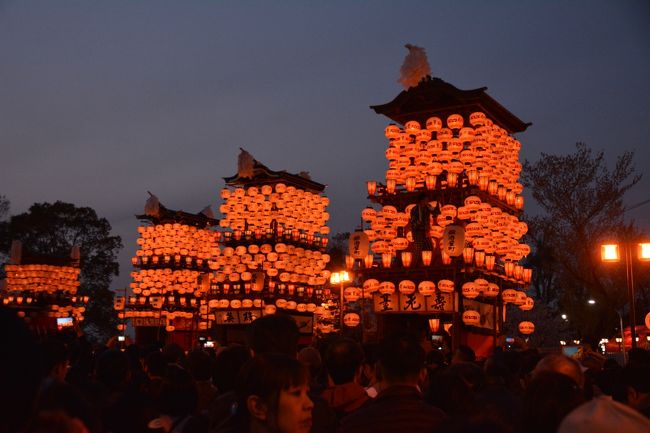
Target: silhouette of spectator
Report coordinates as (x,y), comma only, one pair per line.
(343,362)
(455,389)
(178,403)
(274,333)
(636,379)
(21,372)
(463,354)
(200,367)
(399,406)
(561,364)
(550,396)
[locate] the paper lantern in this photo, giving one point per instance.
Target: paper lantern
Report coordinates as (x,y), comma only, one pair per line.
(370,285)
(491,291)
(426,288)
(269,309)
(521,298)
(351,319)
(352,294)
(470,290)
(386,288)
(509,296)
(446,286)
(455,121)
(407,287)
(528,304)
(453,240)
(526,328)
(471,317)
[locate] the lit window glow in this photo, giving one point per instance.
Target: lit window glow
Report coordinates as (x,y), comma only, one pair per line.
(610,253)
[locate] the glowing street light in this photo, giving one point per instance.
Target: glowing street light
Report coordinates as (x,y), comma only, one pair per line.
(340,278)
(611,253)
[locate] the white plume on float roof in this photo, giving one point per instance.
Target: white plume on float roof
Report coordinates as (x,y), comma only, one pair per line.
(245,164)
(415,67)
(152,206)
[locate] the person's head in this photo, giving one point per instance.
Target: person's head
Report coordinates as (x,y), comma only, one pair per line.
(343,360)
(274,333)
(178,395)
(463,354)
(310,356)
(55,358)
(112,369)
(561,364)
(636,378)
(227,365)
(456,387)
(155,364)
(174,353)
(550,396)
(272,394)
(199,364)
(400,359)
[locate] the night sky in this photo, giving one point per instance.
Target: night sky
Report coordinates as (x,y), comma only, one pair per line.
(102,101)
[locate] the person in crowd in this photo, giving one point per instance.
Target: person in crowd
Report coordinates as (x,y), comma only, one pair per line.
(155,367)
(370,377)
(177,404)
(274,333)
(455,389)
(272,396)
(636,380)
(122,408)
(21,373)
(310,356)
(199,365)
(174,354)
(463,354)
(602,414)
(343,361)
(399,406)
(550,396)
(227,366)
(56,394)
(561,364)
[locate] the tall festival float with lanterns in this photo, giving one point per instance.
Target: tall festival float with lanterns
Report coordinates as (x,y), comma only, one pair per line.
(274,239)
(444,228)
(42,289)
(168,297)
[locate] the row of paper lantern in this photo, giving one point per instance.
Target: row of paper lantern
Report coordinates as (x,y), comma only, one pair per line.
(485,137)
(294,208)
(470,290)
(473,318)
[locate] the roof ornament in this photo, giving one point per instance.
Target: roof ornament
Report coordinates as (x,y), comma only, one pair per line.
(415,67)
(152,206)
(245,164)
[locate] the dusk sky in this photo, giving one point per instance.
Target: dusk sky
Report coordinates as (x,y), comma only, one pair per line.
(102,101)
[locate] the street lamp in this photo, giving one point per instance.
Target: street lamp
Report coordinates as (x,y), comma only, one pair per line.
(340,278)
(611,253)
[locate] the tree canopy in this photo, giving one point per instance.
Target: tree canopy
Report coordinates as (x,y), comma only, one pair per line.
(53,229)
(582,205)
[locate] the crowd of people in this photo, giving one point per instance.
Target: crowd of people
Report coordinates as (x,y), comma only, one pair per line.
(271,384)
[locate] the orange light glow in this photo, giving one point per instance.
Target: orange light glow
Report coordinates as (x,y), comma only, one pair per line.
(610,253)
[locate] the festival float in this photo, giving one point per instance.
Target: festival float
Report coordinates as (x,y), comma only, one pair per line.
(444,227)
(274,238)
(168,296)
(43,289)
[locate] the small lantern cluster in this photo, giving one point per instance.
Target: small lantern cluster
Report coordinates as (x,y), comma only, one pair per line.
(255,212)
(39,288)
